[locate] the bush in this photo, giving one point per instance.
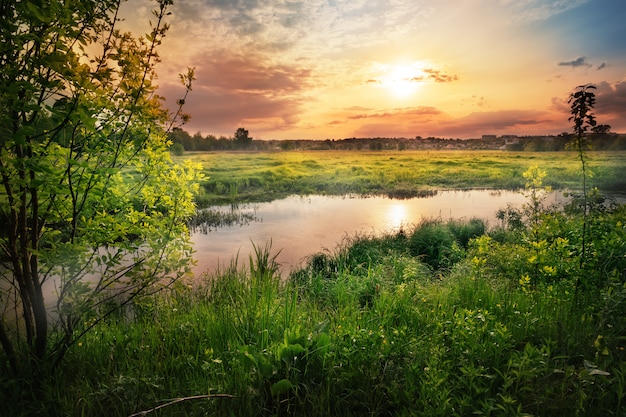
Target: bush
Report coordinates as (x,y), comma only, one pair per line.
(435,244)
(177,149)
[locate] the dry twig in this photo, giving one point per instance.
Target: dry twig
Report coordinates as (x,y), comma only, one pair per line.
(179,400)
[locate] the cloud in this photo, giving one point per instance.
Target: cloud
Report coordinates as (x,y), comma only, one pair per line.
(610,107)
(499,120)
(438,76)
(401,112)
(222,112)
(601,66)
(581,61)
(611,104)
(433,122)
(537,10)
(474,101)
(234,89)
(410,74)
(252,73)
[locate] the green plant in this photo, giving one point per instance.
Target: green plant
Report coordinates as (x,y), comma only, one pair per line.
(582,102)
(437,244)
(91,204)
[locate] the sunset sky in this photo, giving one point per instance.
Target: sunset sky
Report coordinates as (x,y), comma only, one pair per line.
(318,69)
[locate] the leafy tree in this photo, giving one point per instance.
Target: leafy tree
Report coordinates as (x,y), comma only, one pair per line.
(582,102)
(92,209)
(242,139)
(601,129)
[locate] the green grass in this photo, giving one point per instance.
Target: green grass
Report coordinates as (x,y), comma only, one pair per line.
(392,325)
(443,319)
(265,176)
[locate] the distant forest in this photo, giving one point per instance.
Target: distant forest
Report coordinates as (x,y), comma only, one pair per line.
(182,141)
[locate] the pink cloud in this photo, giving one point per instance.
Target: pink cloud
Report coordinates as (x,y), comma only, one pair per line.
(233,89)
(437,123)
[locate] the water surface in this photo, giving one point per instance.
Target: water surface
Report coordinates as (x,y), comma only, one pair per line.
(302,226)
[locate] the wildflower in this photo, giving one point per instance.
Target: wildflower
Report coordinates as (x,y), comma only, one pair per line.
(524,282)
(478,262)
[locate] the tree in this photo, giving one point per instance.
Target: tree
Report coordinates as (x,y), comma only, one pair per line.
(582,102)
(242,140)
(601,129)
(92,209)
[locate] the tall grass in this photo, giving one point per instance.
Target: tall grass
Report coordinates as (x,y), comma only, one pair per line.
(376,327)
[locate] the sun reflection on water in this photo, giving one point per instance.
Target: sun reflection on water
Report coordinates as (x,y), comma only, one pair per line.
(397,215)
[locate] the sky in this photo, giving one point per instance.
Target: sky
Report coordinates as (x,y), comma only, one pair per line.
(334,69)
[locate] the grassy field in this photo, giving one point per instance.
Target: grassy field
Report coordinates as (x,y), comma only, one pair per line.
(265,176)
(443,319)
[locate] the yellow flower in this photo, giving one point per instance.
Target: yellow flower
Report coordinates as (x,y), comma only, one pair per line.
(524,282)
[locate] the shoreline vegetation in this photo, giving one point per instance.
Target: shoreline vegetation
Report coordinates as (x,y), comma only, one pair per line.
(238,177)
(234,177)
(444,319)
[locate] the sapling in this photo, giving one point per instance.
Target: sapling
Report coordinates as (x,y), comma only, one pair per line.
(582,102)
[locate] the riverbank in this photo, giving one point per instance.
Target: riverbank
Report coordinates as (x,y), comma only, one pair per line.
(446,317)
(239,177)
(300,226)
(443,319)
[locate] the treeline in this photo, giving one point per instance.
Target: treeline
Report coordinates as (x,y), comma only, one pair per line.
(183,141)
(599,142)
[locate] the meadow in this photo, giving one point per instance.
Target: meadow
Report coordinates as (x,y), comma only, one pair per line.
(447,318)
(265,176)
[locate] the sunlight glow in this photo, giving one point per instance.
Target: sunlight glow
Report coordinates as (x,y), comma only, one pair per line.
(397,215)
(401,80)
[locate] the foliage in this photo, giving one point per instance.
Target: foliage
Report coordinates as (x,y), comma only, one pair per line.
(93,210)
(582,102)
(242,139)
(265,176)
(344,336)
(604,140)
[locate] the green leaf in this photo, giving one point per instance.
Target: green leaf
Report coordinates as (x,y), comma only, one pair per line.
(36,10)
(265,368)
(281,387)
(323,343)
(289,352)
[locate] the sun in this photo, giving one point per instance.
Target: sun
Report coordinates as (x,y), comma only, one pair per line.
(402,80)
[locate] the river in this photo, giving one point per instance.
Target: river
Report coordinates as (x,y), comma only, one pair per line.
(300,226)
